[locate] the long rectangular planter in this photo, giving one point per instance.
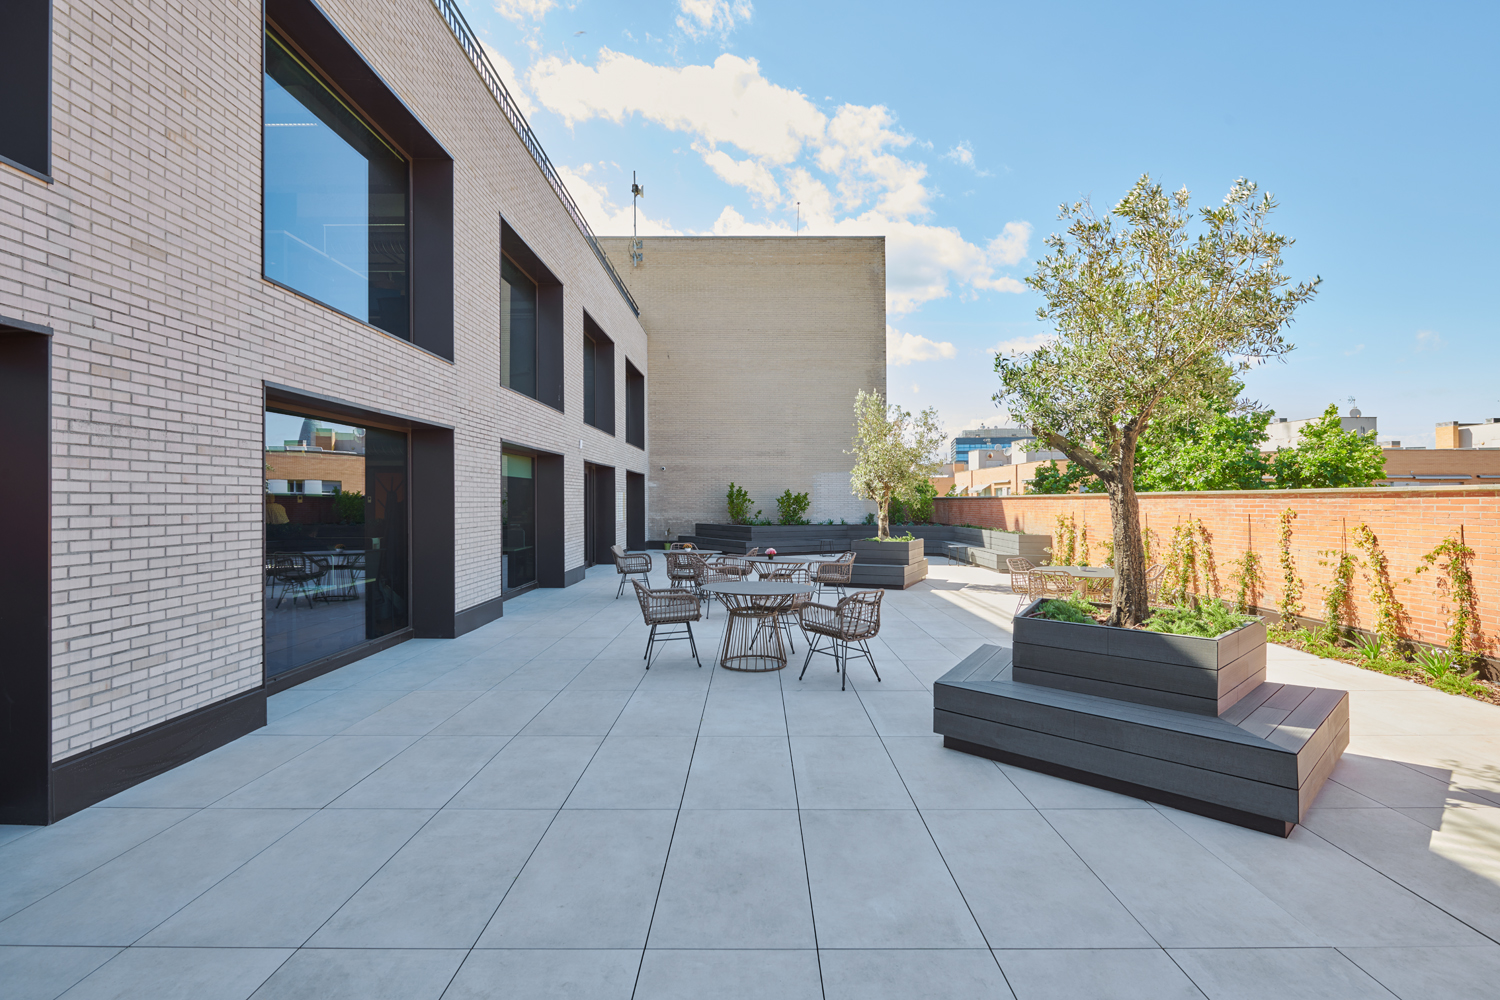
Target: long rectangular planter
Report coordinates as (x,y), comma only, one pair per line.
(1260,764)
(1183,672)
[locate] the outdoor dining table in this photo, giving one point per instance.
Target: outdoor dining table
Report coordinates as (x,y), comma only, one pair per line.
(1092,576)
(752,639)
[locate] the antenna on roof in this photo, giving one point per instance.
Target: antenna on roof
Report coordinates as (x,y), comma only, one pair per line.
(636,192)
(798,230)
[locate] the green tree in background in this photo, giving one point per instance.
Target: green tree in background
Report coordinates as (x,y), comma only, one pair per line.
(894,453)
(1221,452)
(1328,456)
(1053,478)
(919,510)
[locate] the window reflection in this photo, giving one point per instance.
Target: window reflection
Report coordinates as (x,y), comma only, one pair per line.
(336,540)
(517,521)
(517,329)
(335,199)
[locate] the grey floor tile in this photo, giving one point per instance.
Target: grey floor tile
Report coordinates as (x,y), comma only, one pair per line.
(542,674)
(1183,895)
(846,772)
(1290,973)
(660,712)
(33,972)
(284,703)
(578,713)
(1025,885)
(333,714)
(1117,973)
(1046,792)
(414,714)
(531,772)
(591,883)
(734,877)
(741,772)
(475,675)
(899,713)
(1350,903)
(318,776)
(216,774)
(53,856)
(181,974)
(878,882)
(9,832)
(443,886)
(423,776)
(551,974)
(729,975)
(635,772)
(119,901)
(735,711)
(495,713)
(937,974)
(939,778)
(1429,973)
(374,974)
(611,672)
(284,894)
(825,713)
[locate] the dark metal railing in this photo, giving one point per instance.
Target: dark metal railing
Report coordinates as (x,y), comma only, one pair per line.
(470,44)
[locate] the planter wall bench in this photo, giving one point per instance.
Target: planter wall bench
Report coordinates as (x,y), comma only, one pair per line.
(1258,762)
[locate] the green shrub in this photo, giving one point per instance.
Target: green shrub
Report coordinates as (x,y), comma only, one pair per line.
(1070,609)
(918,511)
(1211,618)
(739,503)
(791,508)
(349,507)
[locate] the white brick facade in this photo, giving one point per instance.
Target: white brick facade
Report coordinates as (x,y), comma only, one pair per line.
(758,348)
(144,257)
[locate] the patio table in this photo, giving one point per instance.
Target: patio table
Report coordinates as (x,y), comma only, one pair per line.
(752,640)
(1093,577)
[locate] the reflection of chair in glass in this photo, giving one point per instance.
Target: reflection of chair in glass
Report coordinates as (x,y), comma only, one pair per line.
(855,620)
(296,572)
(628,565)
(668,607)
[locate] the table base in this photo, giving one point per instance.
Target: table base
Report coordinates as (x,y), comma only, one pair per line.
(752,641)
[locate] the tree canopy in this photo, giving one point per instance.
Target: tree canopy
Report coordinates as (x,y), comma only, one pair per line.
(1152,320)
(894,453)
(1219,452)
(1326,456)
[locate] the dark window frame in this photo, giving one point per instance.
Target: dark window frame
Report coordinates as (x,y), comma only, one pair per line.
(598,384)
(303,27)
(549,316)
(26,81)
(635,406)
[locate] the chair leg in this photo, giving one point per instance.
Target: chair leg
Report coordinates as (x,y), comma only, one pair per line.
(649,640)
(810,650)
(621,589)
(843,662)
(866,644)
(693,644)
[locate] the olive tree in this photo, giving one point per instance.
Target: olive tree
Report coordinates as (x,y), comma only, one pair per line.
(1154,318)
(894,452)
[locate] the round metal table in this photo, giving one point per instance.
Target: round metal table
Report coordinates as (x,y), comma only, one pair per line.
(752,638)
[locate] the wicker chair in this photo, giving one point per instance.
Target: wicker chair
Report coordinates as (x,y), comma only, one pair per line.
(668,607)
(732,567)
(685,569)
(630,565)
(1025,579)
(855,620)
(682,547)
(835,574)
(1154,575)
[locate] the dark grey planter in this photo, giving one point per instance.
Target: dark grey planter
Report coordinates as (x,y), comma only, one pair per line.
(888,564)
(1182,672)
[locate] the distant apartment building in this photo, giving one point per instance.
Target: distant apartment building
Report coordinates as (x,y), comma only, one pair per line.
(306,351)
(1458,435)
(1284,433)
(984,438)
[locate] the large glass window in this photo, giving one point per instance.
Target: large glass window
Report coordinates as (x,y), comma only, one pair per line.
(336,541)
(335,199)
(517,329)
(517,521)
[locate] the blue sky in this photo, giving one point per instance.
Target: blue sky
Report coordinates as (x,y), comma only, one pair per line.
(957,129)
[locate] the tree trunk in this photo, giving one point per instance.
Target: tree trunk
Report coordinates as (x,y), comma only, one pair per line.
(883,520)
(1131,604)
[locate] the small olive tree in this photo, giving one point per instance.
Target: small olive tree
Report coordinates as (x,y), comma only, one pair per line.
(1152,322)
(893,451)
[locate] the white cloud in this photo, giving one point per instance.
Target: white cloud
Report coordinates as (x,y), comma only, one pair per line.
(605,215)
(904,348)
(1428,340)
(520,11)
(509,77)
(1023,345)
(963,155)
(848,171)
(712,17)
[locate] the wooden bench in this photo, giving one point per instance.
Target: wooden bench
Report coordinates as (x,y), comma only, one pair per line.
(1260,764)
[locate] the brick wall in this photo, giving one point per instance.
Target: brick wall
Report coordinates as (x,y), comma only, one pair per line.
(758,348)
(144,257)
(1408,524)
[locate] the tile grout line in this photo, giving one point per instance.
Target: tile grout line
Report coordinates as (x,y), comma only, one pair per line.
(802,836)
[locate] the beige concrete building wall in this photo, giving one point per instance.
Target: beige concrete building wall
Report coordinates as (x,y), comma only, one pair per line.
(758,348)
(144,257)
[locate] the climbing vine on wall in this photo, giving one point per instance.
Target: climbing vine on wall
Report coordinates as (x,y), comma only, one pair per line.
(1291,592)
(1190,568)
(1389,615)
(1065,541)
(1337,613)
(1247,581)
(1455,583)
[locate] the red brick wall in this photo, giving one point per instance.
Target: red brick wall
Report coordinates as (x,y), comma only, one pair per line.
(1408,524)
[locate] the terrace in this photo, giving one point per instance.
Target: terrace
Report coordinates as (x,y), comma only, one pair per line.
(526,812)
